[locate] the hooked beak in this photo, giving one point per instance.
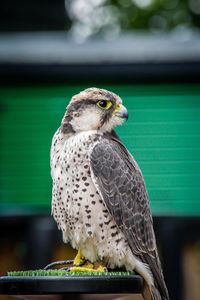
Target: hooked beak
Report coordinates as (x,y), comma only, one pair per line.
(121,111)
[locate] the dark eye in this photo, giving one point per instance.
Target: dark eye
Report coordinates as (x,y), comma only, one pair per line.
(104,104)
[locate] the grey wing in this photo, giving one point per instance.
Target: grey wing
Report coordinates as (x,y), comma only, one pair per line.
(122,187)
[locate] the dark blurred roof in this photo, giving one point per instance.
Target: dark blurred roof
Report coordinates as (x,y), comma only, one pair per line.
(180,49)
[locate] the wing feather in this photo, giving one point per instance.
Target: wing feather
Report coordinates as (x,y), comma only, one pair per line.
(122,187)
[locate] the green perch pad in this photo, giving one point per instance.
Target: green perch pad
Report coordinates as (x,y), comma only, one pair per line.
(53,272)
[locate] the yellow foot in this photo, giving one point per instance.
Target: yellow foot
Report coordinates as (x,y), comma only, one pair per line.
(80,266)
(101,269)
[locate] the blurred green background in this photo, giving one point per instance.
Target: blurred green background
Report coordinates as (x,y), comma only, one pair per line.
(162,133)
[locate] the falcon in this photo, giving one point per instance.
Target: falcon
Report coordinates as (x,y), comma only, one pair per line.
(99,198)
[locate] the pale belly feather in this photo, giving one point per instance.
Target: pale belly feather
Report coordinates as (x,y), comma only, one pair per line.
(79,209)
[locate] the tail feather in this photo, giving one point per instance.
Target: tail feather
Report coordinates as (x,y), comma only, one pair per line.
(158,289)
(152,294)
(156,294)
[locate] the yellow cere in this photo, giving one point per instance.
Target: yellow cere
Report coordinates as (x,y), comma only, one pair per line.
(104,104)
(118,107)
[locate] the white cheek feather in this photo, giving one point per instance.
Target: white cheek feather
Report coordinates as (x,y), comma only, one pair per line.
(89,120)
(113,122)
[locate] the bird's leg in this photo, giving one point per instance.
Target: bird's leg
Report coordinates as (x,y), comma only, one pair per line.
(80,264)
(79,259)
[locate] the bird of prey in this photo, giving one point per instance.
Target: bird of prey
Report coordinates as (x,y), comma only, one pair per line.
(99,198)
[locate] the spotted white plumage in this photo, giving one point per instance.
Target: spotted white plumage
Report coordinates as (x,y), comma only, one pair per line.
(99,198)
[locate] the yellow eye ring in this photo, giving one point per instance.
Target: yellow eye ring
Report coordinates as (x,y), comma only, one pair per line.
(104,104)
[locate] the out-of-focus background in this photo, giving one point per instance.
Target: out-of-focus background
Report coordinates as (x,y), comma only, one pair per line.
(148,52)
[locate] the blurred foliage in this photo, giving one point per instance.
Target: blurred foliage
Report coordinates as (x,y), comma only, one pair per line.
(111,17)
(107,18)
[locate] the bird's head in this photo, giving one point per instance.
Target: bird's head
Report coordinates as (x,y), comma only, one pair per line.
(94,109)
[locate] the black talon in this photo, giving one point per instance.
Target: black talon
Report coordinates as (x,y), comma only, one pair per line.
(83,262)
(105,270)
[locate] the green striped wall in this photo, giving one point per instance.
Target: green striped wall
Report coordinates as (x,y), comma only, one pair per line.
(163,134)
